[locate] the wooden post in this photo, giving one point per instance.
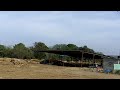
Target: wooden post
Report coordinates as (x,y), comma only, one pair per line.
(88,61)
(93,59)
(82,58)
(62,60)
(75,61)
(59,57)
(71,59)
(59,60)
(49,61)
(102,63)
(78,61)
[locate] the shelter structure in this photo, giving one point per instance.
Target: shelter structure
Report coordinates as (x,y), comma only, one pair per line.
(78,54)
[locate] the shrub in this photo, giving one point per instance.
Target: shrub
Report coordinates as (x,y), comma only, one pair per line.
(116,71)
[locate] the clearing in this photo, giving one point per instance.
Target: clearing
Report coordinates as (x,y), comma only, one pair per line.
(20,69)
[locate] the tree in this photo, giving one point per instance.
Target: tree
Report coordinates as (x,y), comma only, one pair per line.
(8,52)
(100,53)
(19,51)
(72,47)
(29,54)
(91,51)
(80,48)
(63,47)
(39,46)
(60,47)
(86,49)
(22,52)
(2,50)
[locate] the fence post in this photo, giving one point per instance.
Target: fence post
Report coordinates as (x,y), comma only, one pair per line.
(82,58)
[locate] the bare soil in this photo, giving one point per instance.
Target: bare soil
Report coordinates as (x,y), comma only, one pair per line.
(34,70)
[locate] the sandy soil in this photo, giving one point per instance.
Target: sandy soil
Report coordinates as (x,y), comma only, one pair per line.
(40,71)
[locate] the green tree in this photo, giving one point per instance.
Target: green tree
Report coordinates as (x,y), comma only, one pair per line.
(8,52)
(60,47)
(22,52)
(2,50)
(19,50)
(86,49)
(63,47)
(100,53)
(80,48)
(72,47)
(39,46)
(29,54)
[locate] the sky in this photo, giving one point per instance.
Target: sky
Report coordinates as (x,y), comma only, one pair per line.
(99,30)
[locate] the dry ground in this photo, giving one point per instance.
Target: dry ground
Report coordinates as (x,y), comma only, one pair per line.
(39,71)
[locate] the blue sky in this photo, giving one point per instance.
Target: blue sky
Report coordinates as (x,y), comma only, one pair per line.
(99,30)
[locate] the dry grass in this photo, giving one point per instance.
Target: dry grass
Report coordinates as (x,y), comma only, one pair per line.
(39,71)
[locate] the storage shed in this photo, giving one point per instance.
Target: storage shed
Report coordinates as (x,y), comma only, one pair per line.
(109,62)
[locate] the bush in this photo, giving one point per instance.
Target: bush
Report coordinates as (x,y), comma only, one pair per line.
(116,71)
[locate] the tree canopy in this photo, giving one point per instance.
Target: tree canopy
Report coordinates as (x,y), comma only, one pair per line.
(39,46)
(21,51)
(72,47)
(2,50)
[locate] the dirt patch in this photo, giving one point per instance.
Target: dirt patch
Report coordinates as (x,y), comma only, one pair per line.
(33,70)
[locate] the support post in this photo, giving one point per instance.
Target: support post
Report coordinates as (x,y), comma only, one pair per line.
(88,62)
(71,61)
(93,59)
(79,62)
(62,60)
(49,61)
(102,63)
(82,58)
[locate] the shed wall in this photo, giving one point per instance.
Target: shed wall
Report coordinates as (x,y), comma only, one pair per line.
(108,63)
